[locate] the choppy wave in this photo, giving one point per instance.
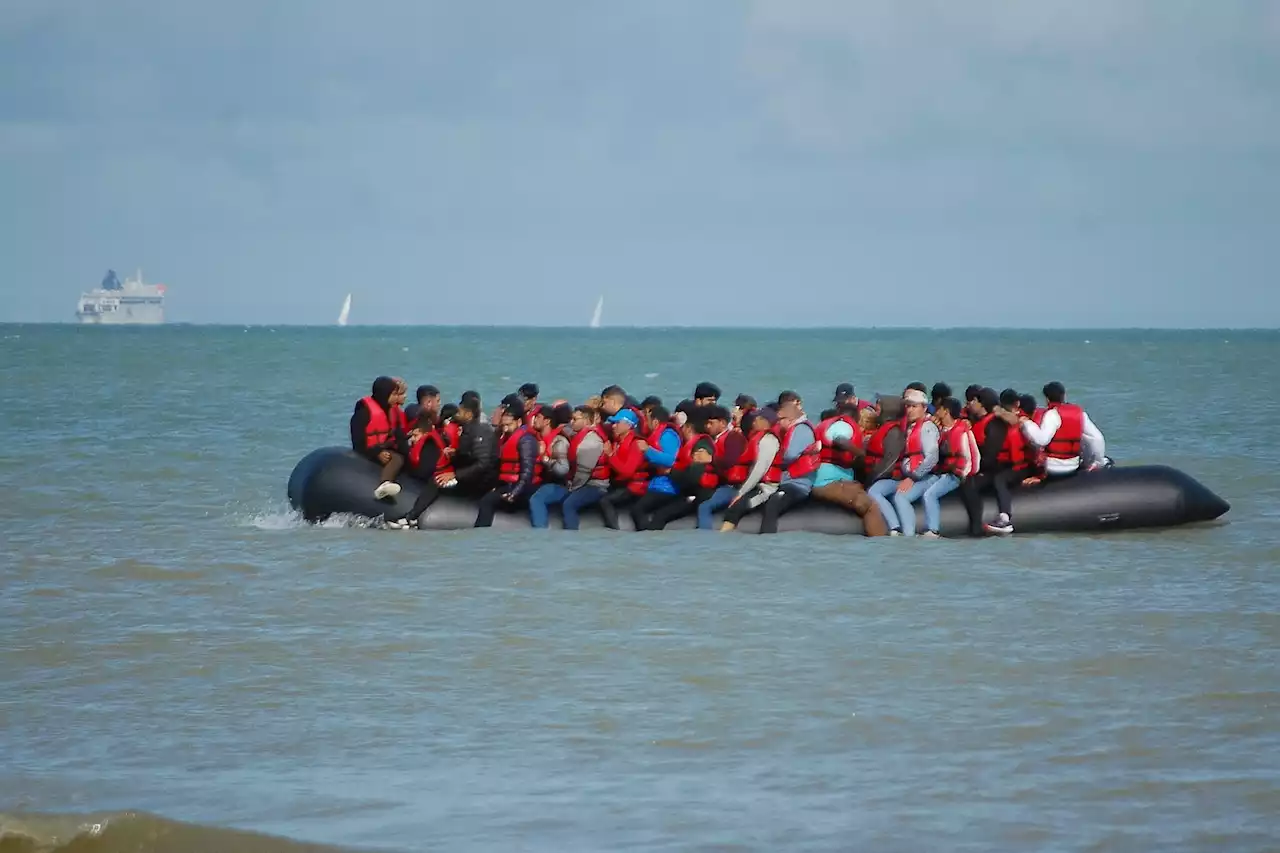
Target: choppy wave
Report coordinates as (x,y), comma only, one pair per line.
(135,832)
(282,517)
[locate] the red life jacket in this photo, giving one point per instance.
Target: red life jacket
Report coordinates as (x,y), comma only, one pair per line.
(1065,443)
(1038,416)
(738,471)
(752,453)
(808,460)
(875,446)
(575,442)
(653,440)
(536,408)
(980,429)
(709,478)
(951,449)
(914,450)
(549,438)
(833,455)
(444,464)
(1013,454)
(509,459)
(636,482)
(380,431)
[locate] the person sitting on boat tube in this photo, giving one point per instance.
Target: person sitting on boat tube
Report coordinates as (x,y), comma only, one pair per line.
(914,473)
(692,474)
(623,463)
(798,459)
(583,452)
(764,472)
(519,469)
(1070,440)
(377,434)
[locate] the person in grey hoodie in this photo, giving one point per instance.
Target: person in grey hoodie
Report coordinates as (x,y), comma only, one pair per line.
(585,446)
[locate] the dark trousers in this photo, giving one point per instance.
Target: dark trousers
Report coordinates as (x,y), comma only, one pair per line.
(655,509)
(496,500)
(784,500)
(427,494)
(391,469)
(615,499)
(1000,481)
(735,513)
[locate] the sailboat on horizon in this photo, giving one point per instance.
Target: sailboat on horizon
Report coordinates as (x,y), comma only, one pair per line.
(345,312)
(595,317)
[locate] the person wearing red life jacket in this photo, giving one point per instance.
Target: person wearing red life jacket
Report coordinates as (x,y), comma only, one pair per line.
(764,471)
(843,449)
(432,446)
(377,434)
(675,489)
(692,474)
(730,471)
(799,460)
(519,471)
(624,463)
(957,459)
(1036,458)
(1070,440)
(585,447)
(884,445)
(551,424)
(914,474)
(1012,464)
(990,433)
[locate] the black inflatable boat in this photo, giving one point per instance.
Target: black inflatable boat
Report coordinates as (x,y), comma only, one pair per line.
(334,480)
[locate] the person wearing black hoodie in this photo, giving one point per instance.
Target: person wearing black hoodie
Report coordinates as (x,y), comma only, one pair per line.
(511,495)
(384,443)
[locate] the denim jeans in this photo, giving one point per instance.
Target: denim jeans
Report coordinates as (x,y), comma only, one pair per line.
(899,514)
(719,500)
(578,501)
(548,494)
(942,486)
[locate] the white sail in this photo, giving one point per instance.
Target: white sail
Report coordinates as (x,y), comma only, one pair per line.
(595,318)
(346,311)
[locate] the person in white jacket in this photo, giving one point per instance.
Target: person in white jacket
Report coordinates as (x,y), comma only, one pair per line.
(1070,440)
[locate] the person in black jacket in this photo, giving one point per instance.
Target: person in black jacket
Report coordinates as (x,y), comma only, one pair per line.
(512,494)
(476,462)
(389,453)
(989,476)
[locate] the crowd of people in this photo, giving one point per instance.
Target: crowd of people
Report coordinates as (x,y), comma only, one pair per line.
(876,458)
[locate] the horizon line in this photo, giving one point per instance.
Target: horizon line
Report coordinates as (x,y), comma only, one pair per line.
(662,327)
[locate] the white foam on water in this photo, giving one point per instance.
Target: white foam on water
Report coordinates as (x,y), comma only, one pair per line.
(283,517)
(651,376)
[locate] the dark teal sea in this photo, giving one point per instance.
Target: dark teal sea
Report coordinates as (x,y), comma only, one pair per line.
(187,667)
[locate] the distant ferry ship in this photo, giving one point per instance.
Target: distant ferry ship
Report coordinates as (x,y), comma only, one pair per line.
(131,303)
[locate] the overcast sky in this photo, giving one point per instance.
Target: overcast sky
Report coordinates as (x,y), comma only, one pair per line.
(832,162)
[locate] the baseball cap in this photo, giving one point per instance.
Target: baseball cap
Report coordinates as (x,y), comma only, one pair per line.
(915,396)
(706,389)
(624,415)
(844,389)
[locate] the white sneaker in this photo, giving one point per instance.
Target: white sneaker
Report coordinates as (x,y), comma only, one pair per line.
(387,490)
(895,532)
(399,524)
(929,534)
(1002,526)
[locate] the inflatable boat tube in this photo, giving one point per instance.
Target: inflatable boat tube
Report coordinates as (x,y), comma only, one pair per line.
(334,480)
